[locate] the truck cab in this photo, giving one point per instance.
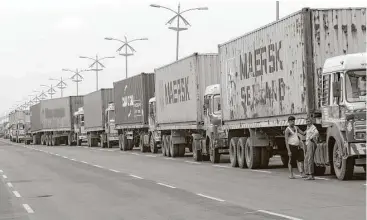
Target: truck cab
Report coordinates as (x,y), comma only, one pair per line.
(81,135)
(154,135)
(111,133)
(215,142)
(343,106)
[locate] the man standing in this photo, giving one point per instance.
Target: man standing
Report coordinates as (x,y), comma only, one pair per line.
(312,135)
(292,143)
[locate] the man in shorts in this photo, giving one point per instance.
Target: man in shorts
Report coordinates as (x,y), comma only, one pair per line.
(292,142)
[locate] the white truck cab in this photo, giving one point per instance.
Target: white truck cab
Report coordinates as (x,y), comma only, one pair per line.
(81,135)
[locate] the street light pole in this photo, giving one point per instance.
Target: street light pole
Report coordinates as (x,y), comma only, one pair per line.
(178,15)
(97,62)
(61,84)
(126,44)
(76,77)
(51,90)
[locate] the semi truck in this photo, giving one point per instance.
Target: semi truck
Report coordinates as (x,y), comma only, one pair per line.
(100,118)
(52,121)
(18,120)
(79,127)
(131,100)
(180,89)
(309,64)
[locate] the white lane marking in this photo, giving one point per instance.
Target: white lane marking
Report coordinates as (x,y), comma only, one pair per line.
(135,154)
(318,178)
(5,177)
(116,171)
(28,208)
(166,185)
(65,157)
(84,162)
(209,197)
(72,159)
(137,177)
(148,155)
(101,149)
(16,194)
(279,215)
(1,171)
(57,154)
(10,185)
(221,166)
(169,158)
(193,162)
(98,166)
(85,147)
(110,150)
(260,171)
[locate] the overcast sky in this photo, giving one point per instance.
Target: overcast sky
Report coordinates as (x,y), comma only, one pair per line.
(40,37)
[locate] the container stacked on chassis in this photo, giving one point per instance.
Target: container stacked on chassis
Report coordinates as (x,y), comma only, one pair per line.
(99,119)
(180,90)
(131,97)
(52,121)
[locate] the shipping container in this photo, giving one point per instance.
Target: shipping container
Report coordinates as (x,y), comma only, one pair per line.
(57,114)
(275,70)
(36,124)
(95,105)
(131,97)
(180,88)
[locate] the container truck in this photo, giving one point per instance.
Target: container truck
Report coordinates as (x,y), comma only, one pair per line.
(306,65)
(18,121)
(131,99)
(100,118)
(180,89)
(52,121)
(81,135)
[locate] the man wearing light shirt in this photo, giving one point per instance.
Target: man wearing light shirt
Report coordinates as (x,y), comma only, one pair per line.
(312,135)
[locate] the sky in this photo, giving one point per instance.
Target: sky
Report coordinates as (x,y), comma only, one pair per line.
(39,38)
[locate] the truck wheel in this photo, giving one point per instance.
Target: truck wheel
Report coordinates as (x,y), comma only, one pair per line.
(103,143)
(195,150)
(241,158)
(319,170)
(181,150)
(253,155)
(364,168)
(47,140)
(173,148)
(70,141)
(153,145)
(163,148)
(215,156)
(343,168)
(168,145)
(264,157)
(53,141)
(233,151)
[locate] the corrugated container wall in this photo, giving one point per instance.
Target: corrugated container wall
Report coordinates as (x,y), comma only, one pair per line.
(57,114)
(180,88)
(273,70)
(95,104)
(36,124)
(131,97)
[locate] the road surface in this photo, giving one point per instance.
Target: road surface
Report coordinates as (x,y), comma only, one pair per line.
(39,182)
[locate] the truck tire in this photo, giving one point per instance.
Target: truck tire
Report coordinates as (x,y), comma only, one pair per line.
(141,144)
(264,157)
(48,142)
(53,141)
(163,148)
(181,150)
(214,153)
(153,145)
(241,157)
(343,168)
(319,170)
(173,148)
(253,155)
(168,145)
(70,141)
(233,151)
(195,150)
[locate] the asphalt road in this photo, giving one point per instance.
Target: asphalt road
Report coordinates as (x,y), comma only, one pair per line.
(92,183)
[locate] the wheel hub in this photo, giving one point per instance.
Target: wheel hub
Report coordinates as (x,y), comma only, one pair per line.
(338,158)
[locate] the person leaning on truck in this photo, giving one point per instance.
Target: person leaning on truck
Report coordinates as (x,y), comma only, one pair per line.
(292,142)
(312,135)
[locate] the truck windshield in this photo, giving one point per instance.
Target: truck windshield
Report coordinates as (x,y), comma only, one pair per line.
(355,86)
(216,104)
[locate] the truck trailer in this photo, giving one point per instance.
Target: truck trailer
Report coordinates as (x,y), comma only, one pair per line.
(100,118)
(180,89)
(131,99)
(52,121)
(304,65)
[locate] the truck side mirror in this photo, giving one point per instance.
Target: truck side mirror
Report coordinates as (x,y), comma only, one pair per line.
(336,89)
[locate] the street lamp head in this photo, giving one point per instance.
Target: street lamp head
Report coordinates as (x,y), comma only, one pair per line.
(108,38)
(83,57)
(65,70)
(155,6)
(143,38)
(203,8)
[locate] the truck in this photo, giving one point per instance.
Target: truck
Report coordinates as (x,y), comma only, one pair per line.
(52,121)
(306,64)
(18,119)
(131,100)
(180,90)
(79,128)
(100,118)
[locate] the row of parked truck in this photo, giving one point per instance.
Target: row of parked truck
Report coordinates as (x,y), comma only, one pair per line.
(237,101)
